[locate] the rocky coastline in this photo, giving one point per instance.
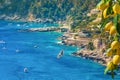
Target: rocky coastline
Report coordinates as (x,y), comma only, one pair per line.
(44,29)
(19,18)
(25,19)
(96,55)
(68,38)
(92,55)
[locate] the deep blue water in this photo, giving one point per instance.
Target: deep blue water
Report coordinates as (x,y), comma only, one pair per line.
(17,51)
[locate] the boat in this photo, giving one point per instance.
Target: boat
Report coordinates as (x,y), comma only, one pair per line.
(60,54)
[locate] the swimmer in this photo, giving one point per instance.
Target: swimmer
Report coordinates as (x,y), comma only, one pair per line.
(60,54)
(25,70)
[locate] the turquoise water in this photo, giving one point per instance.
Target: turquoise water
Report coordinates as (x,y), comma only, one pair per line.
(37,52)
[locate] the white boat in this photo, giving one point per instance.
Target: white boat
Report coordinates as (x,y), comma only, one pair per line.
(60,54)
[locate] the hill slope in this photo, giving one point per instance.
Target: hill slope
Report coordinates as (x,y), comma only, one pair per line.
(51,9)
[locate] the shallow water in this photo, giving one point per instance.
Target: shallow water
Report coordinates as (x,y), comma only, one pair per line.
(37,52)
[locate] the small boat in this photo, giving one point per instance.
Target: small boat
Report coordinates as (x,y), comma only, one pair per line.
(25,70)
(60,54)
(17,50)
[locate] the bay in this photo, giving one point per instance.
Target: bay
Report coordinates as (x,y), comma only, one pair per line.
(37,52)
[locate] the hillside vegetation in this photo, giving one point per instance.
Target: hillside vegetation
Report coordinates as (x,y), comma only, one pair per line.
(56,10)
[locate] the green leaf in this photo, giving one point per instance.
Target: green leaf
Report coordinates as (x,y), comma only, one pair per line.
(112,74)
(116,67)
(116,23)
(99,3)
(118,1)
(103,23)
(116,37)
(118,28)
(103,1)
(109,10)
(106,70)
(115,20)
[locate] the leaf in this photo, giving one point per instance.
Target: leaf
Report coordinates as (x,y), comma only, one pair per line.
(103,1)
(116,67)
(112,74)
(106,70)
(117,23)
(118,1)
(109,10)
(99,3)
(116,37)
(104,22)
(115,20)
(118,28)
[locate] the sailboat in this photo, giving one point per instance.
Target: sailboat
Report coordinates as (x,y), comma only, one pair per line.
(60,54)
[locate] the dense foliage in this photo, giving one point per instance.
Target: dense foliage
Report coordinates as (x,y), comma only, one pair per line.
(111,24)
(50,9)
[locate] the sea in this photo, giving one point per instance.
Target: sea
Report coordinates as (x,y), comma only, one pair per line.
(37,52)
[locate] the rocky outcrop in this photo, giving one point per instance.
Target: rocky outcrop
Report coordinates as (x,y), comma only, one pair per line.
(99,44)
(45,29)
(96,56)
(71,39)
(25,19)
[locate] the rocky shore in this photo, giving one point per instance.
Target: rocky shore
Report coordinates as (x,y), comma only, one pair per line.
(96,55)
(72,39)
(92,55)
(24,19)
(45,29)
(69,38)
